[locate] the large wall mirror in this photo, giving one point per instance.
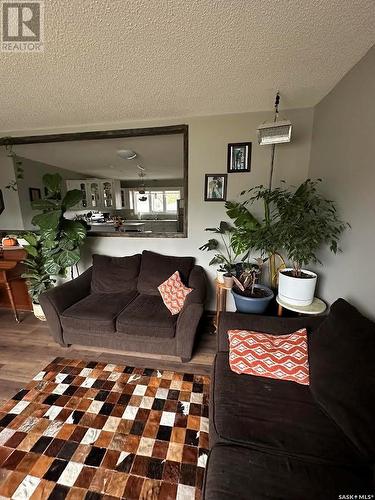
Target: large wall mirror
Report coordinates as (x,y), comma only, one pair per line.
(133,182)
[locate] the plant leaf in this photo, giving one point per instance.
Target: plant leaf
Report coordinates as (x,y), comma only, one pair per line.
(68,258)
(31,250)
(48,220)
(71,198)
(30,238)
(52,182)
(43,205)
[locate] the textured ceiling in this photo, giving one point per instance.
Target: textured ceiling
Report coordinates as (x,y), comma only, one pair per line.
(123,60)
(160,155)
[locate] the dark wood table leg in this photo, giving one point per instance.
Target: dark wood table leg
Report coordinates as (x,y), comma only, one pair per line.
(12,303)
(279,310)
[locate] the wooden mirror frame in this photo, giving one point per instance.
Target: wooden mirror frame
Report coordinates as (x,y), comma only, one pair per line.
(115,134)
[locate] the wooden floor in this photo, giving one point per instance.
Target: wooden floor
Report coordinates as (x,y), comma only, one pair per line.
(27,347)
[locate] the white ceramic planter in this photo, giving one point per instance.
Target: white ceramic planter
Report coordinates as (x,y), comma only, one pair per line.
(297,291)
(220,276)
(38,312)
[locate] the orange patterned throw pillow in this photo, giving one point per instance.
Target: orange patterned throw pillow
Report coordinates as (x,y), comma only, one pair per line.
(174,292)
(283,357)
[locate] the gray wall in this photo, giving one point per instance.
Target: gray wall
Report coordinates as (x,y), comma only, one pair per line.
(208,140)
(343,154)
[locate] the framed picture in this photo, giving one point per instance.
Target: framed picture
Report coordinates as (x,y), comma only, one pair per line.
(35,194)
(215,187)
(239,157)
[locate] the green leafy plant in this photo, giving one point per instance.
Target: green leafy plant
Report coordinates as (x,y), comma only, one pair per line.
(38,280)
(227,254)
(249,277)
(56,246)
(258,234)
(61,238)
(307,222)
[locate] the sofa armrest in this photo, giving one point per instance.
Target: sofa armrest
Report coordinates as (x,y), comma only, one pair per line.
(57,299)
(191,313)
(186,330)
(265,324)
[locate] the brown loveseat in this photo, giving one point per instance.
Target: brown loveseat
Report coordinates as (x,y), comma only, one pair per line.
(116,304)
(274,439)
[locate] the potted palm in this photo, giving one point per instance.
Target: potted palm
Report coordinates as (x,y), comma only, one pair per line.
(55,247)
(225,256)
(307,222)
(258,234)
(250,296)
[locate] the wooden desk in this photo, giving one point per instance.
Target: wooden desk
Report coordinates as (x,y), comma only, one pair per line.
(13,289)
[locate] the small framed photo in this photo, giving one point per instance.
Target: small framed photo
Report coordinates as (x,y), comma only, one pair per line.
(35,194)
(239,157)
(215,187)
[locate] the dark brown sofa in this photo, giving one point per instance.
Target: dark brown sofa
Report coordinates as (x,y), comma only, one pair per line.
(116,304)
(272,439)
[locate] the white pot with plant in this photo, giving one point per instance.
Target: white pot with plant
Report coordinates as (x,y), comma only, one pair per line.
(56,245)
(307,222)
(225,256)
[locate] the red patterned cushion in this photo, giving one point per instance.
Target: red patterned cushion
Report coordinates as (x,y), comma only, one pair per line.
(283,357)
(174,292)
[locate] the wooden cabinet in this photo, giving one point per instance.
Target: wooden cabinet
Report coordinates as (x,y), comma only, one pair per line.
(17,284)
(97,194)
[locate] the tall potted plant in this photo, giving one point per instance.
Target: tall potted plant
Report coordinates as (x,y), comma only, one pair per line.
(38,280)
(258,234)
(56,245)
(307,222)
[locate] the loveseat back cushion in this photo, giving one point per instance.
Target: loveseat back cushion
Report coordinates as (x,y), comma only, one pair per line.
(156,268)
(342,373)
(115,274)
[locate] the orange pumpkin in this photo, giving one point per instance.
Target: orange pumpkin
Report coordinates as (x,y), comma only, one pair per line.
(9,241)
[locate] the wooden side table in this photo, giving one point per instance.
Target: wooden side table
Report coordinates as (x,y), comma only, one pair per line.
(221,300)
(317,307)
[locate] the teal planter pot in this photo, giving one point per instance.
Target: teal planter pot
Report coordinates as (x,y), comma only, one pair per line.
(250,305)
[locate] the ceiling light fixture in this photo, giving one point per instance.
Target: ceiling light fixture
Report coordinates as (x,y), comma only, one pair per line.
(127,154)
(276,132)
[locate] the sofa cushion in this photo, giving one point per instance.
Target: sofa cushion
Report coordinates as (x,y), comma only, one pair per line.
(115,274)
(156,268)
(281,357)
(96,313)
(147,316)
(242,474)
(342,372)
(274,415)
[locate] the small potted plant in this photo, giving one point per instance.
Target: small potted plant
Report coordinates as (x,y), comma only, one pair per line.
(225,255)
(250,296)
(228,280)
(307,222)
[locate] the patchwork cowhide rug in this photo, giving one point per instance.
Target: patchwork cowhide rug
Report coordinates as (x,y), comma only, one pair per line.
(101,431)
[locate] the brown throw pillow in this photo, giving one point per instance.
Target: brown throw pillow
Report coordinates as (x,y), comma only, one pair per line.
(115,274)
